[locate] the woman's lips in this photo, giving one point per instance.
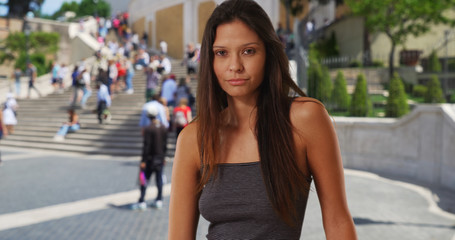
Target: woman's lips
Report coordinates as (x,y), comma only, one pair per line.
(237,81)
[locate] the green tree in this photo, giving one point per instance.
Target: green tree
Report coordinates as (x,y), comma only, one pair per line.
(315,74)
(397,104)
(40,44)
(328,47)
(433,62)
(85,8)
(360,103)
(66,7)
(340,98)
(19,8)
(319,81)
(314,79)
(399,19)
(326,85)
(94,7)
(434,91)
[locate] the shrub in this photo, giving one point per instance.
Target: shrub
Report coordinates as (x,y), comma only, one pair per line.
(40,43)
(314,79)
(360,104)
(37,59)
(315,74)
(434,92)
(452,97)
(419,90)
(433,62)
(326,85)
(355,63)
(377,63)
(328,47)
(451,64)
(397,105)
(340,99)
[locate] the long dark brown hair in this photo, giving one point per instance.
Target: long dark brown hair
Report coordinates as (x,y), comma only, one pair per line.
(284,182)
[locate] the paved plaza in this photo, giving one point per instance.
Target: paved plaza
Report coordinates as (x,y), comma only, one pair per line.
(65,196)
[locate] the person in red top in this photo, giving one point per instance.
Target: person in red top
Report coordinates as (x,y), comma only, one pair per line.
(182,115)
(121,74)
(126,15)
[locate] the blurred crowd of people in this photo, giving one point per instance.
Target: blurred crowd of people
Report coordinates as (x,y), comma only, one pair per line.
(168,100)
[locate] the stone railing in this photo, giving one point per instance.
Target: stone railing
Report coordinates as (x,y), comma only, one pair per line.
(419,146)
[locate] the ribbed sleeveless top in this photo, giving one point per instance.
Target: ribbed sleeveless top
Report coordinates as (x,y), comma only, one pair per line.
(237,206)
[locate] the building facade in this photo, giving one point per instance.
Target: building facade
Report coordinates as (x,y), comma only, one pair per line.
(179,22)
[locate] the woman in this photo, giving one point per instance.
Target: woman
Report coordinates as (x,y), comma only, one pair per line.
(258,146)
(71,126)
(10,112)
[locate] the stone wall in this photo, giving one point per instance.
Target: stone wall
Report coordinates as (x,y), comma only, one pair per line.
(419,146)
(179,22)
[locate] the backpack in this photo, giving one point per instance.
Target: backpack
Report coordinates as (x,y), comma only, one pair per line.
(80,81)
(180,119)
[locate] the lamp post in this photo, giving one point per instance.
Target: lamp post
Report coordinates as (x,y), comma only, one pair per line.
(27,32)
(446,64)
(27,35)
(96,7)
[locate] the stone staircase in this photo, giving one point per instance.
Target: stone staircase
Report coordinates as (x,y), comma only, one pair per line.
(40,119)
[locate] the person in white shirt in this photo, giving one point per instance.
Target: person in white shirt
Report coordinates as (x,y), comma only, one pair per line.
(86,88)
(63,71)
(165,65)
(112,75)
(163,47)
(143,58)
(103,98)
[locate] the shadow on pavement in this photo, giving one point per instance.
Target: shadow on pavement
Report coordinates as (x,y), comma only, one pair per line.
(367,221)
(444,197)
(128,206)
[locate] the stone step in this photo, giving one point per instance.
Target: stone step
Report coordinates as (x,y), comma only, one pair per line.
(117,114)
(131,124)
(84,138)
(80,149)
(69,140)
(102,136)
(75,144)
(39,120)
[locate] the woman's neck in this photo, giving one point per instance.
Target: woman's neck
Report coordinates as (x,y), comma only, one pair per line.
(241,113)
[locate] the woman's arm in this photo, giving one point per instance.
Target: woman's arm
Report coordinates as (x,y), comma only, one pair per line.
(325,163)
(183,208)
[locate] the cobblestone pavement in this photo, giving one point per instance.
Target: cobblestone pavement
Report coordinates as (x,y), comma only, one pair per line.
(58,196)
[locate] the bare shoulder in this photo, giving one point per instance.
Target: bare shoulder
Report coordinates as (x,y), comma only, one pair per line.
(309,115)
(187,145)
(308,110)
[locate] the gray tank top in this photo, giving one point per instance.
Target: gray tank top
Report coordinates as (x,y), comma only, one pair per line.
(237,206)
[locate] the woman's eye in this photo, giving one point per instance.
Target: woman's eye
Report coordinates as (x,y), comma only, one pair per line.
(220,53)
(249,51)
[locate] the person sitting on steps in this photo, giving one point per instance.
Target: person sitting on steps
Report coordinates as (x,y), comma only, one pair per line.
(71,126)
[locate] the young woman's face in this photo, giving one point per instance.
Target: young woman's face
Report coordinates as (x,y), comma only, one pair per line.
(239,59)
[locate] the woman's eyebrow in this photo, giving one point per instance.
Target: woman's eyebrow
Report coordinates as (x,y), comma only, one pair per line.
(243,45)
